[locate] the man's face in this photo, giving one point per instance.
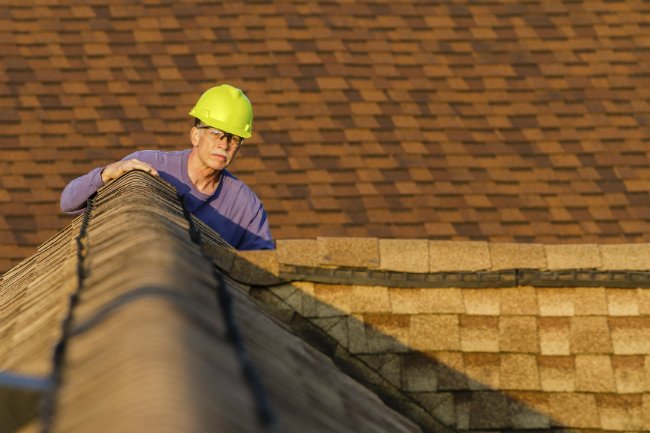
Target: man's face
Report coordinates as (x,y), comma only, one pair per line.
(214,148)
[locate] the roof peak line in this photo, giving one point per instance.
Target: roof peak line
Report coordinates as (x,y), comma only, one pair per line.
(425,263)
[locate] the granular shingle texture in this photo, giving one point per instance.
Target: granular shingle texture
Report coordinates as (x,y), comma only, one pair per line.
(452,120)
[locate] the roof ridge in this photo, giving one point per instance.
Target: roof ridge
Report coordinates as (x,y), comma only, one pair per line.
(430,263)
(152,328)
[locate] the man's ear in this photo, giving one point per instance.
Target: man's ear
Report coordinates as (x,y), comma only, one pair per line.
(194,136)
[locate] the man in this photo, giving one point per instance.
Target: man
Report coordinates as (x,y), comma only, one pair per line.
(223,119)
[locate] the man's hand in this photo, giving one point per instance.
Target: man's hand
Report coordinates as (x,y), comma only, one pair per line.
(117,169)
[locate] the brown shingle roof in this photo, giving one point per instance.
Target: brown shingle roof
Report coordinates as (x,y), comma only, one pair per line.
(457,120)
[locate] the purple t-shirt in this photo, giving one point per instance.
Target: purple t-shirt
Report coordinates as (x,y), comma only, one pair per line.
(233,210)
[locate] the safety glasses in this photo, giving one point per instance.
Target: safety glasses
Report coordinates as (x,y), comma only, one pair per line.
(219,135)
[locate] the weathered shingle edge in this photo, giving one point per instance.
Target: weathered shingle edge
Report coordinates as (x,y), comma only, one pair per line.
(423,263)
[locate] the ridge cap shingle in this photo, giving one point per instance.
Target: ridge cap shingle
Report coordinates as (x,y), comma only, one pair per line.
(363,257)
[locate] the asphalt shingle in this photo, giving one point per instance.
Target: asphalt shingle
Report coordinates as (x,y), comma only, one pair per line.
(456,120)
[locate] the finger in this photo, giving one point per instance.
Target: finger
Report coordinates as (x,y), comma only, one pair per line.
(146,167)
(142,166)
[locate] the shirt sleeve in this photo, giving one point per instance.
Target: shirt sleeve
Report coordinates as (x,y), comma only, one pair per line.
(75,194)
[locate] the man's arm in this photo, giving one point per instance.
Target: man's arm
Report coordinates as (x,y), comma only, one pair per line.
(75,194)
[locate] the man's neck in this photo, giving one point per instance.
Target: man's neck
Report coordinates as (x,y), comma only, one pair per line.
(204,179)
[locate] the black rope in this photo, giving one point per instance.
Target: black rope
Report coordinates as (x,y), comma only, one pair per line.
(184,304)
(265,413)
(195,233)
(49,401)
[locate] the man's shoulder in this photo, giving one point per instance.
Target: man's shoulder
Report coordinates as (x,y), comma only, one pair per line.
(238,186)
(227,175)
(233,181)
(169,161)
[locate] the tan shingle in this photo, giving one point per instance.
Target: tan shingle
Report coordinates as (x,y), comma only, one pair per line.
(594,373)
(629,373)
(577,410)
(623,302)
(483,370)
(554,335)
(301,252)
(406,301)
(556,302)
(573,256)
(441,300)
(479,333)
(523,414)
(590,301)
(518,334)
(332,300)
(404,255)
(369,299)
(458,256)
(515,256)
(557,373)
(353,252)
(481,301)
(622,412)
(518,301)
(519,372)
(626,256)
(434,333)
(630,335)
(387,333)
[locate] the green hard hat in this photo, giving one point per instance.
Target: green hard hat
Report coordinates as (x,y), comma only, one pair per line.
(227,108)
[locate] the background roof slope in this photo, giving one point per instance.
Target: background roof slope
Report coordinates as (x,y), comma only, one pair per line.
(455,120)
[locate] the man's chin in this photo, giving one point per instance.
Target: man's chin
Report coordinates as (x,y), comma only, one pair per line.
(219,161)
(219,167)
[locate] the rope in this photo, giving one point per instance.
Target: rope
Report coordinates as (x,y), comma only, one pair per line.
(49,401)
(265,413)
(181,302)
